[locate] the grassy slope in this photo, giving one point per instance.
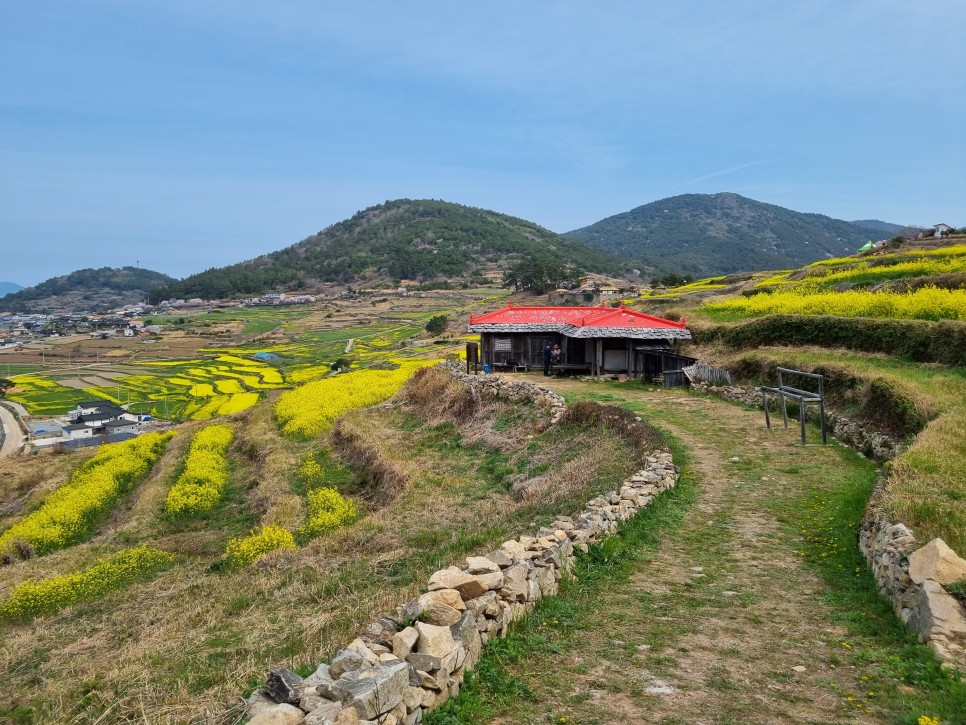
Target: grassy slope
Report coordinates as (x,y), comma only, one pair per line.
(925,488)
(747,571)
(184,645)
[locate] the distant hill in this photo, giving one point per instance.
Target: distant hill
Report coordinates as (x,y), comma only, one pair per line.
(879,225)
(8,287)
(92,290)
(709,234)
(422,240)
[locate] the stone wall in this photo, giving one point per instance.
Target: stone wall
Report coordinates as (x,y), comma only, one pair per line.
(415,658)
(508,389)
(908,574)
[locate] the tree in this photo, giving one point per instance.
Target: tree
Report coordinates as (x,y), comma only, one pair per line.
(541,275)
(437,324)
(5,385)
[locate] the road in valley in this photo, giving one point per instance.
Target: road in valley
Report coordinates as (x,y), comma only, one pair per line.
(12,437)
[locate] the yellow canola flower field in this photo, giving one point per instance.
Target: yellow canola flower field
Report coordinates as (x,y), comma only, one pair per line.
(67,515)
(310,410)
(205,474)
(927,303)
(35,598)
(229,386)
(238,402)
(243,551)
(327,510)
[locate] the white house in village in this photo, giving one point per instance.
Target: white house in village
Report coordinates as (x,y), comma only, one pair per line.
(942,229)
(94,419)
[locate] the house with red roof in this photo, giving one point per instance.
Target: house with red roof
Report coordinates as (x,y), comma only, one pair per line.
(596,340)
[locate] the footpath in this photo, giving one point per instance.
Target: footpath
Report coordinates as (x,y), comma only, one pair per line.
(732,618)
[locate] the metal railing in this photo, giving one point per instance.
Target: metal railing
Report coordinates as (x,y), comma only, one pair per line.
(802,397)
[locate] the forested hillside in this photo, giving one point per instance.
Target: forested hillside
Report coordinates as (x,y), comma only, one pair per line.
(88,289)
(709,234)
(418,240)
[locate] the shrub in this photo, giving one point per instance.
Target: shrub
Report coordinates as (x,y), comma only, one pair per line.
(34,598)
(437,324)
(243,551)
(327,510)
(918,340)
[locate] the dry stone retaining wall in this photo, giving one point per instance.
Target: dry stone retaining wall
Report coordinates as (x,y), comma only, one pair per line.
(892,551)
(499,386)
(415,658)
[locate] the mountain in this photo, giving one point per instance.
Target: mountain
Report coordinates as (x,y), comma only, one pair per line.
(8,287)
(421,240)
(91,290)
(880,225)
(709,234)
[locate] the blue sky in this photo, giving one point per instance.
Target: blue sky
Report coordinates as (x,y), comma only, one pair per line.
(182,135)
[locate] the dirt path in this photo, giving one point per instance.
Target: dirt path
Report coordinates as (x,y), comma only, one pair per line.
(725,624)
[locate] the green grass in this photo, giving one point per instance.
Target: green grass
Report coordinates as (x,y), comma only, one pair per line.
(525,678)
(926,489)
(557,621)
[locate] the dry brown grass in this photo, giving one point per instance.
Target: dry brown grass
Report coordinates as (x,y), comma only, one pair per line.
(182,647)
(273,463)
(438,396)
(26,479)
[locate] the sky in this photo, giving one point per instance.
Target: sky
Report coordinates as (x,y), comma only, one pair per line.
(179,135)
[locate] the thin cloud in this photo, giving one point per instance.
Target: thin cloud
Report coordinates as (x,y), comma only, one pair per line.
(715,174)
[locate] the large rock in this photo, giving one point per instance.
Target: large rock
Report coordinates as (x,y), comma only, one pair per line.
(467,585)
(433,640)
(283,714)
(940,612)
(481,565)
(466,632)
(257,702)
(404,641)
(346,660)
(442,615)
(284,686)
(449,597)
(321,674)
(374,691)
(515,586)
(324,714)
(938,562)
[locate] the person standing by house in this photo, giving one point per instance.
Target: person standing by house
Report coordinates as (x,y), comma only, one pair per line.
(555,354)
(547,356)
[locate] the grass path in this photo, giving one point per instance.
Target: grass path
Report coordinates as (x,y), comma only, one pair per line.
(752,606)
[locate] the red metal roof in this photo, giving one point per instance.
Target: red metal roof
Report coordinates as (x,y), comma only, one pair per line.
(574,316)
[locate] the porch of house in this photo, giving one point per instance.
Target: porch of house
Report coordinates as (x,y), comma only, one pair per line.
(594,356)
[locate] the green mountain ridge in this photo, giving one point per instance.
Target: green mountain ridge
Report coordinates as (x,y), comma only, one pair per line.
(712,234)
(405,239)
(94,290)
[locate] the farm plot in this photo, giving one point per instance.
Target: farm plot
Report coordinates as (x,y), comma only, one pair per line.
(215,622)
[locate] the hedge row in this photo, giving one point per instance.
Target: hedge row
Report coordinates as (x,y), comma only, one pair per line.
(918,340)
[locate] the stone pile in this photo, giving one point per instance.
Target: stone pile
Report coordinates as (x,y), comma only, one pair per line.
(912,578)
(502,387)
(415,658)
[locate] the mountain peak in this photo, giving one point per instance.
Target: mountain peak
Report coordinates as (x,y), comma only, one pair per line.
(722,233)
